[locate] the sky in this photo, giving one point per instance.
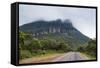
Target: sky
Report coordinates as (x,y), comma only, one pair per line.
(83,19)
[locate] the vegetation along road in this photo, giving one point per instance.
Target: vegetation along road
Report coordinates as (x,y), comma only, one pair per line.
(70,56)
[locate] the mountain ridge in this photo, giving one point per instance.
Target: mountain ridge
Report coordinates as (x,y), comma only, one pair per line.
(55,29)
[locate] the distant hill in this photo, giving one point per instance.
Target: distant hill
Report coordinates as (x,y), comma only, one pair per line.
(56,29)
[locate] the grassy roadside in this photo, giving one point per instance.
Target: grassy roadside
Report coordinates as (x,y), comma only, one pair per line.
(41,58)
(88,56)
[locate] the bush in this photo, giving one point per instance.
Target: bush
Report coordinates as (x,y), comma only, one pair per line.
(30,46)
(89,49)
(24,54)
(81,48)
(34,45)
(64,47)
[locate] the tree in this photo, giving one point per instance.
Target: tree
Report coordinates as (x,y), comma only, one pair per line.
(21,40)
(63,46)
(48,44)
(81,48)
(34,45)
(91,48)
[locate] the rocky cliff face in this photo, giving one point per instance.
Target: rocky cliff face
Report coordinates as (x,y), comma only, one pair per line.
(45,27)
(56,29)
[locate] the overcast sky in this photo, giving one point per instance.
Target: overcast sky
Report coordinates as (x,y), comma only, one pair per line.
(83,19)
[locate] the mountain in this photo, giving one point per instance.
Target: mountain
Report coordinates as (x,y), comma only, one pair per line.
(56,29)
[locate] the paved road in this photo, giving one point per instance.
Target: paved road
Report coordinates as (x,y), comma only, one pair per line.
(71,56)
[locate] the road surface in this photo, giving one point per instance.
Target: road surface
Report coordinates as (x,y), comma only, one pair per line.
(71,56)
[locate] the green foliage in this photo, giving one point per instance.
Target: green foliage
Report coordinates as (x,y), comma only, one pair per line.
(51,44)
(24,54)
(21,40)
(48,44)
(82,48)
(90,49)
(31,46)
(63,46)
(34,45)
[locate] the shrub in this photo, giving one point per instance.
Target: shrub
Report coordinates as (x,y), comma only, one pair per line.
(24,54)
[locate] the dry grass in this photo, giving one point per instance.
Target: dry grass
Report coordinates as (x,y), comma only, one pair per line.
(40,59)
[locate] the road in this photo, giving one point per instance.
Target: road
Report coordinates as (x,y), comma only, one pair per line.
(71,56)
